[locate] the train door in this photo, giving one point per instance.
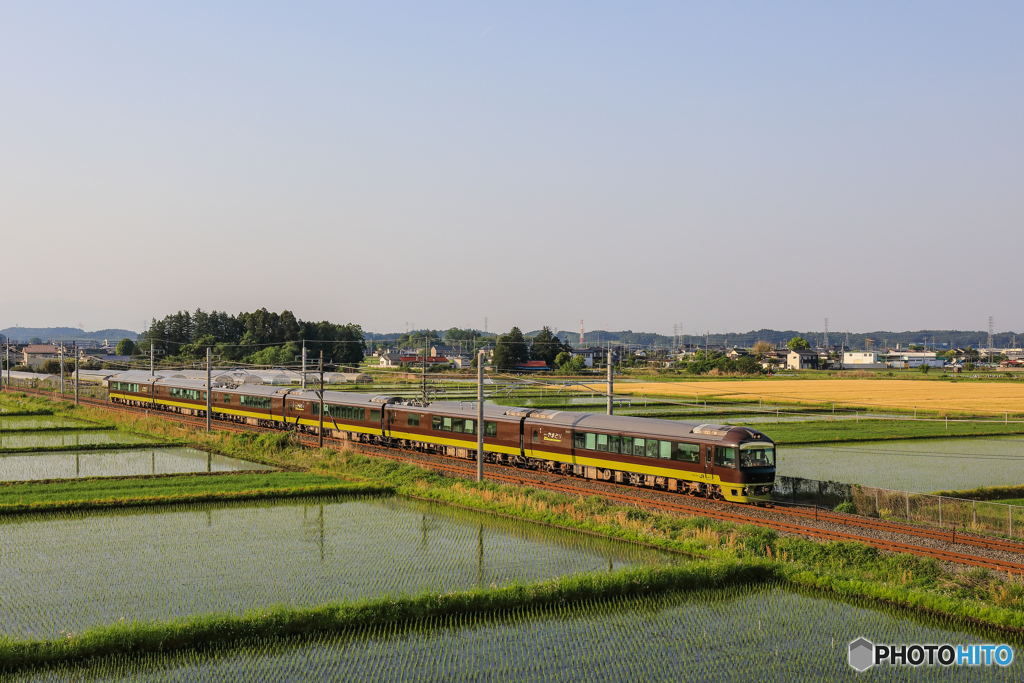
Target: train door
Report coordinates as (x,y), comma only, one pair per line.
(709,454)
(534,431)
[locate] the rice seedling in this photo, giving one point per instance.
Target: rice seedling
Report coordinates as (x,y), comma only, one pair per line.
(115,463)
(41,422)
(68,572)
(28,440)
(739,633)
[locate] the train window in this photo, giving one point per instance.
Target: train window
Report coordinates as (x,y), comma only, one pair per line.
(652,448)
(579,440)
(436,426)
(638,447)
(665,449)
(591,442)
(757,455)
(227,398)
(341,412)
(687,452)
(725,456)
(446,423)
(602,442)
(536,436)
(613,444)
(190,394)
(255,401)
(470,427)
(374,416)
(490,428)
(413,419)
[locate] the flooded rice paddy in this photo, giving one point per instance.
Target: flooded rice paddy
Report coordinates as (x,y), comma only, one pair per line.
(68,439)
(746,634)
(925,465)
(116,463)
(41,422)
(71,571)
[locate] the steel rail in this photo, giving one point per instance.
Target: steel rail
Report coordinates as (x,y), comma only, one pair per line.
(402,455)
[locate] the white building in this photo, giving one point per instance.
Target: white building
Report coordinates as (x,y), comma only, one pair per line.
(862,360)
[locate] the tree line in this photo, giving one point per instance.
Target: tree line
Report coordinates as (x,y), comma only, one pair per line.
(259,337)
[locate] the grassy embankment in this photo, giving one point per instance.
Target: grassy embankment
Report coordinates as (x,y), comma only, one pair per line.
(731,553)
(149,490)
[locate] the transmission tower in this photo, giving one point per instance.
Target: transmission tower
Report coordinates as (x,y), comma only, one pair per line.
(826,333)
(581,332)
(990,336)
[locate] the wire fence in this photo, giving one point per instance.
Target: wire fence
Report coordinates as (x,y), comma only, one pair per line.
(904,506)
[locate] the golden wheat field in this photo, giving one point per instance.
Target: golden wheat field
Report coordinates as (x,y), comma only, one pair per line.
(880,393)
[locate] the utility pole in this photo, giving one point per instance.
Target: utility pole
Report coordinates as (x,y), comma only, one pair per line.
(611,371)
(480,416)
(76,373)
(152,357)
(209,392)
(321,430)
(303,364)
(61,356)
(424,369)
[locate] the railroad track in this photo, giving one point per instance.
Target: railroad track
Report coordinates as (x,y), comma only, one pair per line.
(721,511)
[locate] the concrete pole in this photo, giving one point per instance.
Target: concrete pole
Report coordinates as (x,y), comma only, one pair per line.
(76,373)
(480,416)
(61,357)
(303,364)
(611,381)
(152,357)
(209,387)
(321,430)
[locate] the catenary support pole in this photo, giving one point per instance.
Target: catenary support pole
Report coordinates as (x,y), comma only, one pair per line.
(76,373)
(209,387)
(480,416)
(425,369)
(152,357)
(303,383)
(61,356)
(611,385)
(320,431)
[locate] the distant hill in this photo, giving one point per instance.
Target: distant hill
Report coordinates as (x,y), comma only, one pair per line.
(24,334)
(943,339)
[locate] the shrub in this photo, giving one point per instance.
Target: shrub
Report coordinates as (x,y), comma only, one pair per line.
(849,507)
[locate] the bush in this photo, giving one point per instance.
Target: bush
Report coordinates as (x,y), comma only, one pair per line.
(849,507)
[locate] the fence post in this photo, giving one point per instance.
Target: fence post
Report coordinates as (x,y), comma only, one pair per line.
(940,510)
(974,507)
(1009,510)
(877,513)
(907,494)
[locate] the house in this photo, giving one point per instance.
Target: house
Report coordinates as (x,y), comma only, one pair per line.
(390,360)
(444,350)
(34,355)
(775,359)
(461,362)
(593,355)
(802,360)
(861,360)
(531,366)
(736,353)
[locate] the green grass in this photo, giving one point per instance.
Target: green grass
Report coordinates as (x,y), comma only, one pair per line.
(879,430)
(46,494)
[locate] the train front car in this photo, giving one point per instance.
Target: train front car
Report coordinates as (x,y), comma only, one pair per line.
(745,465)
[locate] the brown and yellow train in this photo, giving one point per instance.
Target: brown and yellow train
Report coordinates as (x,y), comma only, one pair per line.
(715,461)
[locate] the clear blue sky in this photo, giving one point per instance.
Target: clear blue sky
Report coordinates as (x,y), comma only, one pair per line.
(727,166)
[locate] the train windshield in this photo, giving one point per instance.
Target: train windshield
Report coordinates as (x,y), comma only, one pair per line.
(757,455)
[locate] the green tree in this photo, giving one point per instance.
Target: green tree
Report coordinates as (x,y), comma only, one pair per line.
(546,347)
(125,347)
(510,350)
(35,340)
(798,344)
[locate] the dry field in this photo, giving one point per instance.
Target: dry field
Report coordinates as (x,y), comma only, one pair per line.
(973,397)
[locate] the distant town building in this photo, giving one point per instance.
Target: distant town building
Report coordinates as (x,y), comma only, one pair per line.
(802,360)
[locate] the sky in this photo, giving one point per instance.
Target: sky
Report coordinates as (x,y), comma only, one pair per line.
(720,166)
